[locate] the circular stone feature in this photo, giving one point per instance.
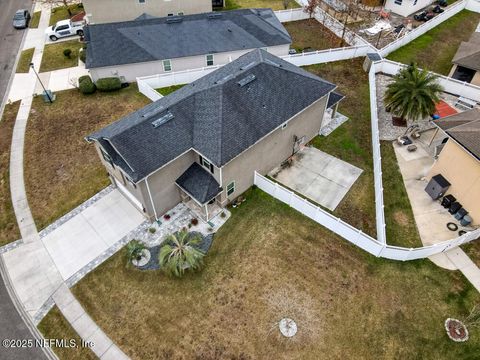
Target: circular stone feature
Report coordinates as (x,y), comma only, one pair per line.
(144,258)
(456,330)
(288,327)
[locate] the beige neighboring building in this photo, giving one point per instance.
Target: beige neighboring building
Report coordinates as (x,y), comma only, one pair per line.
(203,143)
(466,62)
(459,160)
(108,11)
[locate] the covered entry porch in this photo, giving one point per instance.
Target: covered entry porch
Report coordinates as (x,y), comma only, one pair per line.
(200,192)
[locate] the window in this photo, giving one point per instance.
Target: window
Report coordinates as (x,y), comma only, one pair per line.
(398,2)
(167,65)
(171,14)
(231,188)
(210,60)
(181,13)
(205,163)
(141,1)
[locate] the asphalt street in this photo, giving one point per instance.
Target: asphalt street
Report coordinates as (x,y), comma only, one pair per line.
(12,325)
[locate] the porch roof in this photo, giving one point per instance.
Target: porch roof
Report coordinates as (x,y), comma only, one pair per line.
(199,184)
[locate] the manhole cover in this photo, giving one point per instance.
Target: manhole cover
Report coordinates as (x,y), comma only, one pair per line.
(288,327)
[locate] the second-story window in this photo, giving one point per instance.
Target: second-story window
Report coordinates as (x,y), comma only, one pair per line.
(167,65)
(210,60)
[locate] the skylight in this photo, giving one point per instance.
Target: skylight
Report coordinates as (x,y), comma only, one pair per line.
(162,120)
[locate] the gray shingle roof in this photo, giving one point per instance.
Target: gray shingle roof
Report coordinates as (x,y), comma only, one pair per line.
(468,53)
(199,183)
(215,115)
(156,39)
(334,98)
(464,127)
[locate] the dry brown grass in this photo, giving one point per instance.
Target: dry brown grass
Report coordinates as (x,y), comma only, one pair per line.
(269,262)
(310,33)
(61,169)
(8,224)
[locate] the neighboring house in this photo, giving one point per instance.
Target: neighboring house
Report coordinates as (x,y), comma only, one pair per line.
(459,160)
(466,62)
(406,7)
(153,46)
(203,143)
(107,11)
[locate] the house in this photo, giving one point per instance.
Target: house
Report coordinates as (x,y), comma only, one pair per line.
(153,46)
(406,7)
(107,11)
(203,143)
(466,62)
(459,160)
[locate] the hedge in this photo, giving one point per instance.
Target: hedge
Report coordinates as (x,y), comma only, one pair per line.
(86,85)
(109,84)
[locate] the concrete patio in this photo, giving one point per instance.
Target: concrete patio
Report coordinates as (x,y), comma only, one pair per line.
(318,176)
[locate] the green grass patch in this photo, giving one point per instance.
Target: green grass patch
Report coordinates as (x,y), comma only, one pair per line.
(273,4)
(169,89)
(55,326)
(8,224)
(53,58)
(435,49)
(311,34)
(401,227)
(61,13)
(35,20)
(26,56)
(269,261)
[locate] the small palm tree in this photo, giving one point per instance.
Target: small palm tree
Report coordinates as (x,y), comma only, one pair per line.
(413,94)
(179,253)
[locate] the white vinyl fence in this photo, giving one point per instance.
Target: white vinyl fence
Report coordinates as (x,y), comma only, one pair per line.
(291,15)
(324,56)
(450,85)
(350,233)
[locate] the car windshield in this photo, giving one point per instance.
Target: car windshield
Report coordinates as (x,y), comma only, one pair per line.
(18,16)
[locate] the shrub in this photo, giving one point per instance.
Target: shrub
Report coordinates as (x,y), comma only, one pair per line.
(223,215)
(67,53)
(194,221)
(109,84)
(134,250)
(86,85)
(152,230)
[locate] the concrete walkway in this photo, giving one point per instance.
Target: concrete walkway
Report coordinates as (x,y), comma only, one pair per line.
(463,263)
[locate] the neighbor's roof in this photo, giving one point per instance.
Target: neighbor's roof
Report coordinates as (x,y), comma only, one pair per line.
(163,38)
(464,128)
(468,53)
(219,115)
(199,183)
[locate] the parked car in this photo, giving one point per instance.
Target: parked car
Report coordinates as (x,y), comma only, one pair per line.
(21,19)
(64,28)
(424,16)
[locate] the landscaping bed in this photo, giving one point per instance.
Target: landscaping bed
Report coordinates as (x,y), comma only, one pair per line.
(351,142)
(8,224)
(26,56)
(435,49)
(311,34)
(269,262)
(54,59)
(273,4)
(61,169)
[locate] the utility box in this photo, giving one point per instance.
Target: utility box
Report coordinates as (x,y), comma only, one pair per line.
(437,187)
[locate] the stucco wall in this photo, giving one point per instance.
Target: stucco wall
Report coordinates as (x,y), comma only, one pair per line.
(271,150)
(105,11)
(462,171)
(131,71)
(406,8)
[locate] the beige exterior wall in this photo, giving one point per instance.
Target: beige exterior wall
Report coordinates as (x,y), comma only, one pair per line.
(461,170)
(105,11)
(130,72)
(271,150)
(452,70)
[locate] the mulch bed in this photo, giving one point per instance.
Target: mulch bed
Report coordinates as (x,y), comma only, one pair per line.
(398,121)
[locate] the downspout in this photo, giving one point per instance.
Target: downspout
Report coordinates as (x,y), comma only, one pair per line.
(151,199)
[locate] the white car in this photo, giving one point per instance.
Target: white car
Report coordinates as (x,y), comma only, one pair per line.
(64,28)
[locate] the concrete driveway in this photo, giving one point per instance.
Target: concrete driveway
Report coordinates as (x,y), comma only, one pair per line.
(318,176)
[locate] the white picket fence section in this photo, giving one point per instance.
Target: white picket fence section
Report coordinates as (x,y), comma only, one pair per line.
(450,85)
(329,55)
(350,233)
(291,15)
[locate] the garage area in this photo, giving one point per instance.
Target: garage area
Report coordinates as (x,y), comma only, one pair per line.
(317,176)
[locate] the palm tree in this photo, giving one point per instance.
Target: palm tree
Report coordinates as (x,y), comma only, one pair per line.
(179,253)
(413,94)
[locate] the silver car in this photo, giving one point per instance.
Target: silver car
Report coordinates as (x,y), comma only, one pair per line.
(21,19)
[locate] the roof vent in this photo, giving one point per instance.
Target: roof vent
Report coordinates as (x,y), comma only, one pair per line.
(224,79)
(246,80)
(214,16)
(162,120)
(155,111)
(174,19)
(248,66)
(268,61)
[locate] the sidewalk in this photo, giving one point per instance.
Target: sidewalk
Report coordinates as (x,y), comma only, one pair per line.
(463,263)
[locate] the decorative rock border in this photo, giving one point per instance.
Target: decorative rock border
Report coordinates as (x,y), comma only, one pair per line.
(456,336)
(144,259)
(10,246)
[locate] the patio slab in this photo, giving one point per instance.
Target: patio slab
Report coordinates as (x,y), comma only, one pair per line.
(318,176)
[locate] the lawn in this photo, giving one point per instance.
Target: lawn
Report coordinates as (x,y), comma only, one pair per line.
(169,89)
(26,56)
(8,224)
(311,34)
(61,169)
(53,58)
(35,20)
(54,326)
(273,4)
(268,262)
(61,13)
(435,49)
(351,142)
(401,226)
